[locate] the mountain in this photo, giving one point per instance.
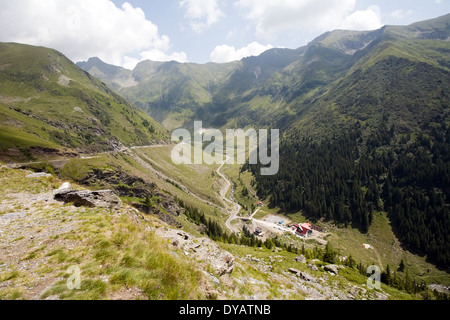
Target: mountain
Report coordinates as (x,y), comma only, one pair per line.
(364,117)
(274,88)
(376,138)
(170,92)
(114,77)
(46,101)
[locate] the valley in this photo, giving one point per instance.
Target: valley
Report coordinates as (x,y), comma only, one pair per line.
(364,172)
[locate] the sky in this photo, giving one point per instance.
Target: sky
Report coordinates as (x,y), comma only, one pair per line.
(124,33)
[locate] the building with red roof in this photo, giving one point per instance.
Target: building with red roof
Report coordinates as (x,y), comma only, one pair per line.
(303,229)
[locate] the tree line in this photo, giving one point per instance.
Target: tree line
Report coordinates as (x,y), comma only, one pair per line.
(348,178)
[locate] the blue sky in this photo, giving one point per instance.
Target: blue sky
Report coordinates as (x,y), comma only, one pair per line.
(126,32)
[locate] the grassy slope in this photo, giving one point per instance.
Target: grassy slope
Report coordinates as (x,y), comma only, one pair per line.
(113,246)
(200,179)
(44,94)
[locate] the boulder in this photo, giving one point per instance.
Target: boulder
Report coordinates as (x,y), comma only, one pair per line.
(331,268)
(300,259)
(64,187)
(222,262)
(381,296)
(293,270)
(313,267)
(307,277)
(92,199)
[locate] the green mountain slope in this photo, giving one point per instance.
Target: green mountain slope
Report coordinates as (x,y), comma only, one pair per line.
(170,92)
(47,101)
(376,139)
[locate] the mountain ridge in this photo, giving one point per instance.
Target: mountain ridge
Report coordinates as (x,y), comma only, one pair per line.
(277,77)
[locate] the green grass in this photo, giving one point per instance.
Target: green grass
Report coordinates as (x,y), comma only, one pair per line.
(13,138)
(131,256)
(200,179)
(381,237)
(14,182)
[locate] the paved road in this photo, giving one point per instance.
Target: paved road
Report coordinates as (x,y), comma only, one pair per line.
(223,193)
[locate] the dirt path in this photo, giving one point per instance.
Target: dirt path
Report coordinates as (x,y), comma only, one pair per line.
(380,264)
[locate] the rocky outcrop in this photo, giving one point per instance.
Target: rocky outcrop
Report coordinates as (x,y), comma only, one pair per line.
(202,250)
(92,199)
(307,277)
(313,267)
(303,275)
(122,183)
(38,175)
(293,270)
(331,268)
(301,259)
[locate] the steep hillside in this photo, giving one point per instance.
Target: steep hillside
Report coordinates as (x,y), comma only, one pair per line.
(46,101)
(376,139)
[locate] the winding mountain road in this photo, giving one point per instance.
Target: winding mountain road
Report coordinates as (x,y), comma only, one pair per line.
(223,193)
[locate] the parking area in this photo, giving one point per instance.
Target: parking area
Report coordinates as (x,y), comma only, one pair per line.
(276,219)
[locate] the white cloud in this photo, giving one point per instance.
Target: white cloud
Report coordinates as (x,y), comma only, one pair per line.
(201,14)
(225,53)
(83,28)
(157,55)
(272,17)
(399,14)
(363,20)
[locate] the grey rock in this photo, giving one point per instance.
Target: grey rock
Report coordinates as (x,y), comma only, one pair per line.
(307,277)
(381,296)
(38,175)
(212,278)
(313,267)
(92,199)
(300,259)
(64,187)
(293,270)
(331,268)
(13,215)
(222,263)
